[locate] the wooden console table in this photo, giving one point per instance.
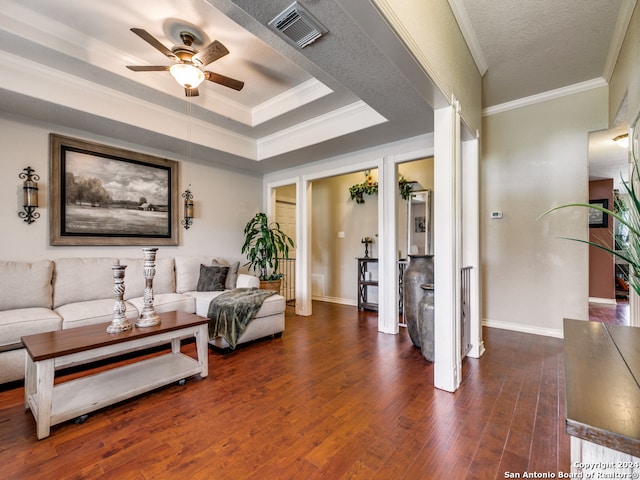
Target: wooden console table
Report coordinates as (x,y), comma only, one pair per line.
(52,404)
(602,377)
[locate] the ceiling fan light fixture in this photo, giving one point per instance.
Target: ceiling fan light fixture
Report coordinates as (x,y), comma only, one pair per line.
(189,76)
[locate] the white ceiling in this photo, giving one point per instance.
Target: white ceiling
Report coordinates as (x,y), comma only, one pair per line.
(356,87)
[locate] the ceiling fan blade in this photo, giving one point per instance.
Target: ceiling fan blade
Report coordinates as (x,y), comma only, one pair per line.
(147,68)
(222,80)
(191,92)
(151,40)
(210,53)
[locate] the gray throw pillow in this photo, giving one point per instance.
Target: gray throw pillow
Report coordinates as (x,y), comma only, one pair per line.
(232,276)
(212,279)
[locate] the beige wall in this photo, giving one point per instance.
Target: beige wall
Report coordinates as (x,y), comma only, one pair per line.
(626,75)
(224,201)
(334,266)
(535,158)
(431,33)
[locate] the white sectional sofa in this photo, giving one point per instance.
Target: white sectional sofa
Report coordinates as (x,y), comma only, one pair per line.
(50,295)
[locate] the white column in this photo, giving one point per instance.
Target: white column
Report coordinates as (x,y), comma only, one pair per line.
(303,247)
(387,247)
(471,238)
(447,368)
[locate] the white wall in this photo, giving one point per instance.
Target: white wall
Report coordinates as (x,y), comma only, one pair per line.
(224,200)
(535,158)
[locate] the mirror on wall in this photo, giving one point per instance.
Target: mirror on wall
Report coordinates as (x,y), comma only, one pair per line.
(419,173)
(420,223)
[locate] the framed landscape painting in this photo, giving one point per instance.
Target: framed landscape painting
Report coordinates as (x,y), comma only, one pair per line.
(102,195)
(597,218)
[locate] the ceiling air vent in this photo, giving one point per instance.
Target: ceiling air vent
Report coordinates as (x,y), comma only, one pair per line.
(298,25)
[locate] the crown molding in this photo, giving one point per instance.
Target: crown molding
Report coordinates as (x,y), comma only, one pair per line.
(293,98)
(336,123)
(545,96)
(622,25)
(469,34)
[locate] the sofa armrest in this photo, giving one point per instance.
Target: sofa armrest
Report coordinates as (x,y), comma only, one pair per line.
(247,281)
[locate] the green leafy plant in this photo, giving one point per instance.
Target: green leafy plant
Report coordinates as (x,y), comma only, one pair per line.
(369,187)
(264,244)
(628,215)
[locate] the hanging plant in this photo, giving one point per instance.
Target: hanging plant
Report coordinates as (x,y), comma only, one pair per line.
(369,187)
(405,187)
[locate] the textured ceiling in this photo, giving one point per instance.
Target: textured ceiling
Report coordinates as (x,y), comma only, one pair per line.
(528,48)
(337,95)
(537,46)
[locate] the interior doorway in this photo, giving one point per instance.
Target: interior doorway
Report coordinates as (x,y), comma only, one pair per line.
(286,218)
(608,169)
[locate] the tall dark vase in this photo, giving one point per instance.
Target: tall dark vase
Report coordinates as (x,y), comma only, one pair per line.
(426,323)
(418,272)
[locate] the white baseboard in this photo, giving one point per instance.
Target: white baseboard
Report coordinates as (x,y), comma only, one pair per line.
(518,327)
(607,301)
(341,301)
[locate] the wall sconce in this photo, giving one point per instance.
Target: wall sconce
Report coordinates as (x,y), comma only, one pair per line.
(622,140)
(30,194)
(188,209)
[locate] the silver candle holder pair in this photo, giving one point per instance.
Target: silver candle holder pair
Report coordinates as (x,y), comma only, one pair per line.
(148,316)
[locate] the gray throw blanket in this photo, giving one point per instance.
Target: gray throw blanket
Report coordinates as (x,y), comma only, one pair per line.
(231,311)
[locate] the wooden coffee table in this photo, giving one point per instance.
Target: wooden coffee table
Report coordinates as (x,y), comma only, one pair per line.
(52,404)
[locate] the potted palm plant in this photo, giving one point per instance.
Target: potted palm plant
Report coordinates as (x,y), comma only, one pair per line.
(264,244)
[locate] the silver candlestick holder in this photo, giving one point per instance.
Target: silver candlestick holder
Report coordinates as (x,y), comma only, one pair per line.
(119,322)
(148,316)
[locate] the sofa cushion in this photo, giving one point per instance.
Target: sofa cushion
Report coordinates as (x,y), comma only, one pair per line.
(167,302)
(134,282)
(12,365)
(271,306)
(17,323)
(188,272)
(247,281)
(26,284)
(232,276)
(82,279)
(79,314)
(212,278)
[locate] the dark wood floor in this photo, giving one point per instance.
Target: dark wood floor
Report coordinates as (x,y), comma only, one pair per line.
(617,314)
(332,398)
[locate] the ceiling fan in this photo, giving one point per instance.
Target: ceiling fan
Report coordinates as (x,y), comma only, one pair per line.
(187,69)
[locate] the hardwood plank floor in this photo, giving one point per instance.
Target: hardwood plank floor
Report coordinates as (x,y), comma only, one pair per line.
(617,314)
(332,398)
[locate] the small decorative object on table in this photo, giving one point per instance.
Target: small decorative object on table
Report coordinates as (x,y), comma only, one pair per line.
(148,316)
(366,241)
(119,322)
